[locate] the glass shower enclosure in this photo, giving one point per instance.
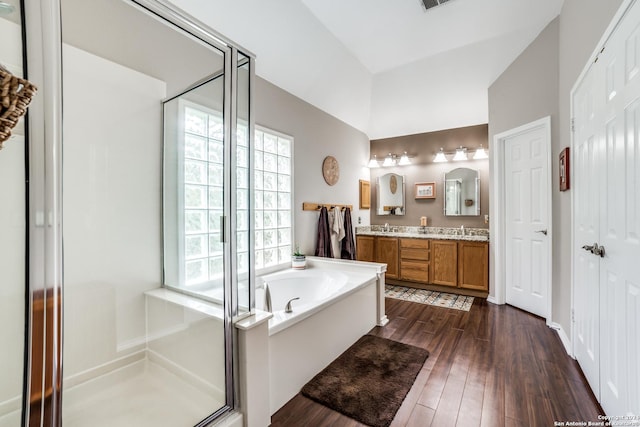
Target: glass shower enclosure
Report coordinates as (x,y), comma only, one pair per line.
(13,234)
(155,136)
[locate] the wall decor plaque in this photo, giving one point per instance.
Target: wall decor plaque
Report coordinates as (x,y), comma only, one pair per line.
(564,173)
(330,170)
(393,184)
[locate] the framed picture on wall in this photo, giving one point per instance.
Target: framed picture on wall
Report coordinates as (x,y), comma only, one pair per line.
(425,190)
(564,170)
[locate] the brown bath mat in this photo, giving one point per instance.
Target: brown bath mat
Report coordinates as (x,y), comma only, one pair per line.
(369,381)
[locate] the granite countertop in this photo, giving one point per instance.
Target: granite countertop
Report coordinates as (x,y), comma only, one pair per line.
(441,233)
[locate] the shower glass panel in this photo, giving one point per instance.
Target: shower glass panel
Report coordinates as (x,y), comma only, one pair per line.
(244,178)
(194,191)
(136,352)
(12,236)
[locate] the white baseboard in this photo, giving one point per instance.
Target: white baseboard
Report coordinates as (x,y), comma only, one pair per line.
(492,300)
(563,337)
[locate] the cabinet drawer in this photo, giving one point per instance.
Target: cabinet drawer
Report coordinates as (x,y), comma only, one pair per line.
(414,243)
(417,254)
(414,271)
(414,265)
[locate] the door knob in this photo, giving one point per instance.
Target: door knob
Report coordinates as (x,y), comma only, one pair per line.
(595,249)
(598,250)
(542,231)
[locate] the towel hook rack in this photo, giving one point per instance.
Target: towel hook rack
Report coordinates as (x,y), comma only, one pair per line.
(308,206)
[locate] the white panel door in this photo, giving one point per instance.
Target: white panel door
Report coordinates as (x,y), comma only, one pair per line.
(526,199)
(620,219)
(586,232)
(607,211)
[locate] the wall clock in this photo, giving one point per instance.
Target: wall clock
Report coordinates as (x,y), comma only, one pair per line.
(330,170)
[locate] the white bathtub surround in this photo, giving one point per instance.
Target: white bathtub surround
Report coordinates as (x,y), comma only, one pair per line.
(303,342)
(253,368)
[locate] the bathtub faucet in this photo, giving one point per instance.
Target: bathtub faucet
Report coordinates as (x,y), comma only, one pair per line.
(267,298)
(288,308)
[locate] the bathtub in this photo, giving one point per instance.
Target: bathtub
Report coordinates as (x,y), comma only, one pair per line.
(313,287)
(339,302)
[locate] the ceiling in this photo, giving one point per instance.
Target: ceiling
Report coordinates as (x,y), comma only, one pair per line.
(431,69)
(385,34)
(385,67)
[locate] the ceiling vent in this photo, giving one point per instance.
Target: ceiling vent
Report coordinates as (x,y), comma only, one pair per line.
(428,4)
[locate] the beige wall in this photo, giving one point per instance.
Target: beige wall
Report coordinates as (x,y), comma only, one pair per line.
(528,91)
(422,149)
(538,84)
(316,135)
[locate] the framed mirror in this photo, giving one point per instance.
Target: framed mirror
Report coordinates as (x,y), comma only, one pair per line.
(462,192)
(390,194)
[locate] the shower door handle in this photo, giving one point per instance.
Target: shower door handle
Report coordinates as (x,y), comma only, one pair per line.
(223,223)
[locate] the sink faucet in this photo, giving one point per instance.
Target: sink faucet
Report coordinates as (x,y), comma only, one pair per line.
(462,230)
(386,227)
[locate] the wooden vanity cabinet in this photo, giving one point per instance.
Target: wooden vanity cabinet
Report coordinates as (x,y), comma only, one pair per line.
(473,265)
(414,260)
(460,264)
(444,262)
(387,252)
(365,248)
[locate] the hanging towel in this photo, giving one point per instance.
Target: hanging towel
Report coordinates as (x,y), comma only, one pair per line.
(323,245)
(348,243)
(337,231)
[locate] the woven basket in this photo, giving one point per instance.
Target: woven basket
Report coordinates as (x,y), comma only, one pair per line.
(15,96)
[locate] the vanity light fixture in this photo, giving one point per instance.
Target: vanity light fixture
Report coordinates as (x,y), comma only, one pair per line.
(404,160)
(461,154)
(390,160)
(480,154)
(373,163)
(440,157)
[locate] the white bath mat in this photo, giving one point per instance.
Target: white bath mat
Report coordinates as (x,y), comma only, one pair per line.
(423,296)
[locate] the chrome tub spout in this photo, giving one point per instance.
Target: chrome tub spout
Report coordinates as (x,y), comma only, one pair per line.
(288,308)
(267,299)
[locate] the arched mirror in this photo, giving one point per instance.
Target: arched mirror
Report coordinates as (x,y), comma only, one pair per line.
(462,192)
(390,194)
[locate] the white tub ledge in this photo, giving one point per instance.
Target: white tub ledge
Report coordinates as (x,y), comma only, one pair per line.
(253,369)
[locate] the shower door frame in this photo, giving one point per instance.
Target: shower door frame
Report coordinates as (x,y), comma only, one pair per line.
(43,39)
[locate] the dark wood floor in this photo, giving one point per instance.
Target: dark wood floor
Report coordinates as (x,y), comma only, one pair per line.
(491,366)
